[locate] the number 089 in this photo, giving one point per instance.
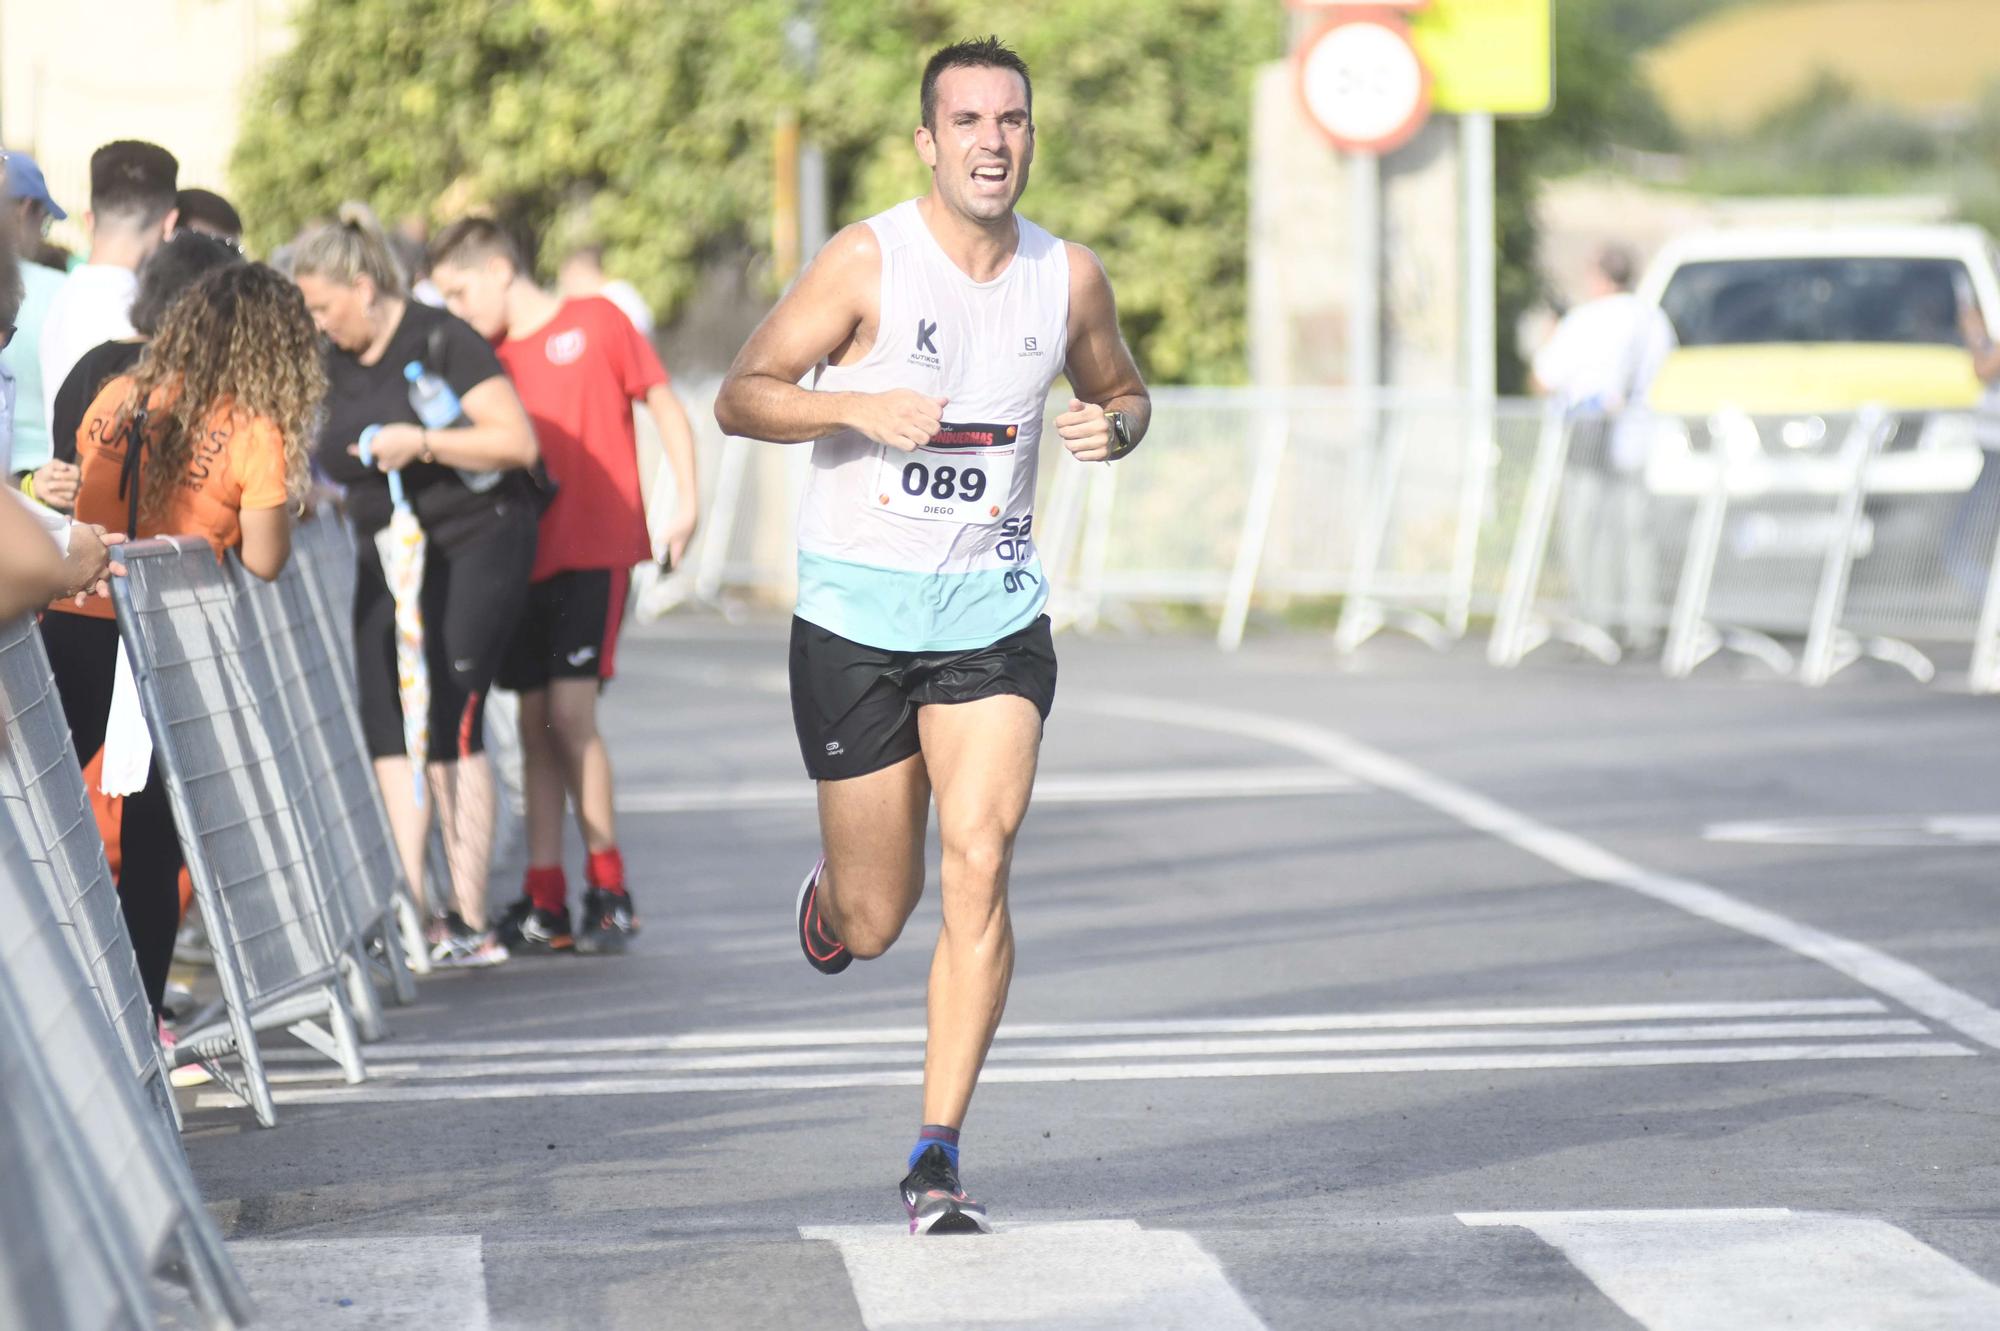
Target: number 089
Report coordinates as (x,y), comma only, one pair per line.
(967,484)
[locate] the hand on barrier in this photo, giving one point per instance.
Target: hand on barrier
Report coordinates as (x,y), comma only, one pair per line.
(88,565)
(1086,431)
(901,418)
(55,484)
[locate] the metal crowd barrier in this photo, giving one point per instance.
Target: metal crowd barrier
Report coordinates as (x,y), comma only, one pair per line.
(1848,535)
(98,1198)
(41,787)
(355,861)
(248,825)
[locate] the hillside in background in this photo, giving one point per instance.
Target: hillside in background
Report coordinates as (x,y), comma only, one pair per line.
(1730,71)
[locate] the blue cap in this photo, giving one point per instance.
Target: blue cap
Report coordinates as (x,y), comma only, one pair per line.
(24,181)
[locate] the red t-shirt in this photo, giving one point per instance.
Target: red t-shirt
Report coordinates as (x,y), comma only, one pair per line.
(578,376)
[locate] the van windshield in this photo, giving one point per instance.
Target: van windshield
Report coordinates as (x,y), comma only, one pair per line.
(1736,301)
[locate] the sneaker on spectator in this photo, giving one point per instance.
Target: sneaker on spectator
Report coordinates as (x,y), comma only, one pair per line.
(192,1074)
(456,943)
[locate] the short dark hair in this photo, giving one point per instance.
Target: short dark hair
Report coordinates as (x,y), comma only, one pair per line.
(1619,266)
(973,53)
(133,180)
(172,269)
(472,239)
(206,208)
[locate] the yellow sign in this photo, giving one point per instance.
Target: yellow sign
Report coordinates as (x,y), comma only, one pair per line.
(1493,56)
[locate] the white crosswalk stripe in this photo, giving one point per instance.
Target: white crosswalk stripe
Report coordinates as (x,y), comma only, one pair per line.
(1726,1270)
(1099,1275)
(1326,1044)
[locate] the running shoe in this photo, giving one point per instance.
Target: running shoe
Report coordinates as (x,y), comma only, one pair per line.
(935,1201)
(608,924)
(456,943)
(528,929)
(826,958)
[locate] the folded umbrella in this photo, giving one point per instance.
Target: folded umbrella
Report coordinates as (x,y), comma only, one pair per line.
(401,548)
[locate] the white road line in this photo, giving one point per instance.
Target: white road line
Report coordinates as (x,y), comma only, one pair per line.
(1094,1275)
(437,1283)
(1118,1049)
(1726,1270)
(1077,1072)
(1944,831)
(1065,788)
(1906,984)
(1278,1025)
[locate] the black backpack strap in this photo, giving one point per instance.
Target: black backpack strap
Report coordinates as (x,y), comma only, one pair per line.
(131,473)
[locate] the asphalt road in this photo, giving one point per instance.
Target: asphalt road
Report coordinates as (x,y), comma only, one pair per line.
(1401,993)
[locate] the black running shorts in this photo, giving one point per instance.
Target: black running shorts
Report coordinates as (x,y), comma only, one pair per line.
(569,631)
(855,707)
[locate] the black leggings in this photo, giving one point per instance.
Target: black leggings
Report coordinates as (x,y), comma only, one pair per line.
(473,594)
(83,651)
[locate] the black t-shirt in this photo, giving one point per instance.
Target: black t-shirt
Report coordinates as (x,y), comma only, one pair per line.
(359,396)
(99,366)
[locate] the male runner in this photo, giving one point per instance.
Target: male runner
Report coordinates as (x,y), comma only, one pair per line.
(920,659)
(579,366)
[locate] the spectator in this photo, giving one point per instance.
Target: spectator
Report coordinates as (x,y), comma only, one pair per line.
(131,214)
(30,210)
(172,269)
(208,435)
(582,274)
(1599,364)
(32,569)
(481,543)
(579,367)
(82,560)
(208,212)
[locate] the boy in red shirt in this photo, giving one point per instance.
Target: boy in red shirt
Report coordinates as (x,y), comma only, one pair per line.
(579,366)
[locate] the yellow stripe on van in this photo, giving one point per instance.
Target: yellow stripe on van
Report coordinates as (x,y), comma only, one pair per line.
(1791,377)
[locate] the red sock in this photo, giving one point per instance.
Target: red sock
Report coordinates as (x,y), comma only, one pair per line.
(548,888)
(605,869)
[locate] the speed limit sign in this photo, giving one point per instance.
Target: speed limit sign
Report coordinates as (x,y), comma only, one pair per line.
(1363,84)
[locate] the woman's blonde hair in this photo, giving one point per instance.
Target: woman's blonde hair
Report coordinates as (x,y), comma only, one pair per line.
(348,249)
(238,341)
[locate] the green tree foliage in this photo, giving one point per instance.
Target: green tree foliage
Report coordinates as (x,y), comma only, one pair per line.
(647,124)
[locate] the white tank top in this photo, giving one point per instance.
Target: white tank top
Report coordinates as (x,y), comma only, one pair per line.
(934,550)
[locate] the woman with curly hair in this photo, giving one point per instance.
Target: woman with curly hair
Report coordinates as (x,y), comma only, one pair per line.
(208,435)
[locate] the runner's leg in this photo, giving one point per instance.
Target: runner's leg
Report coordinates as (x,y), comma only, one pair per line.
(872,830)
(982,757)
(409,823)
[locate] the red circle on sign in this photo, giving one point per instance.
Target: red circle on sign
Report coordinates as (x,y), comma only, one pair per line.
(1385,33)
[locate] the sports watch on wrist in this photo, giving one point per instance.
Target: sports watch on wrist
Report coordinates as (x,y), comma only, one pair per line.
(1121,434)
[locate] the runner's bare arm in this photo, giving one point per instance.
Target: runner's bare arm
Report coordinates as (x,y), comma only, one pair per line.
(1101,370)
(830,313)
(677,442)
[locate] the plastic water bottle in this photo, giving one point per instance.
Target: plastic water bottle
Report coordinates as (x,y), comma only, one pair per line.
(438,408)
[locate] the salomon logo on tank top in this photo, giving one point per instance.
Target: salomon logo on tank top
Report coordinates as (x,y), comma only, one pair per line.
(934,550)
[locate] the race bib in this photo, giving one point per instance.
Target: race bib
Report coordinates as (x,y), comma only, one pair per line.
(964,475)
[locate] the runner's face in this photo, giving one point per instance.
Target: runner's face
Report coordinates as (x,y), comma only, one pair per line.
(984,142)
(340,310)
(477,293)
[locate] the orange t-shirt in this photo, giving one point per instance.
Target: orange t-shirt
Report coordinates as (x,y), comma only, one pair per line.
(239,463)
